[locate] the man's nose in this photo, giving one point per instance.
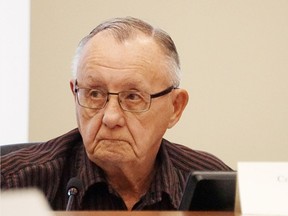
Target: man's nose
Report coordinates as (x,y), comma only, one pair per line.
(113,113)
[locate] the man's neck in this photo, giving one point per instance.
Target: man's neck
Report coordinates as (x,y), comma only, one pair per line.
(131,182)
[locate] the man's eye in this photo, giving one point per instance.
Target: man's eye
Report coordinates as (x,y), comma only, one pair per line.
(95,94)
(133,96)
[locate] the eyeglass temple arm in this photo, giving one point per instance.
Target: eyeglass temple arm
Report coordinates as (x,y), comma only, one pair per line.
(75,86)
(166,91)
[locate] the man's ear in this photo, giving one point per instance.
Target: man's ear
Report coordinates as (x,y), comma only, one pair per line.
(180,100)
(72,86)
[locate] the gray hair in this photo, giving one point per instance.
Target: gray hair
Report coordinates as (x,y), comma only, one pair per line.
(125,28)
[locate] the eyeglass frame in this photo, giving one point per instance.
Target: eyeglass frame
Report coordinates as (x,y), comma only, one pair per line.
(155,95)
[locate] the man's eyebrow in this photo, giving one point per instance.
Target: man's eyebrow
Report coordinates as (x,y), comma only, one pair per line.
(94,82)
(92,79)
(129,83)
(133,84)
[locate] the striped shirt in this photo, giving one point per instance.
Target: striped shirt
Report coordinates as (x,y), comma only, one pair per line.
(49,166)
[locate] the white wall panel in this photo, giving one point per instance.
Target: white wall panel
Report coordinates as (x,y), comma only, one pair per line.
(14,70)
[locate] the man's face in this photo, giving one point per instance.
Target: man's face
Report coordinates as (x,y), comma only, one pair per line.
(111,135)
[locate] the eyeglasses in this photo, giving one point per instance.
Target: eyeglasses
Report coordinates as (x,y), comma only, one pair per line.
(132,101)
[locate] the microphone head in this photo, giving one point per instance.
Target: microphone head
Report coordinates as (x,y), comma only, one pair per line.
(74,183)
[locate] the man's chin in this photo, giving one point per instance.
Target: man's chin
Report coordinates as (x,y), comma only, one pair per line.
(111,157)
(111,151)
(114,163)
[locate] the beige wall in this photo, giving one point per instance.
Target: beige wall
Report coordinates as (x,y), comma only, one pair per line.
(234,57)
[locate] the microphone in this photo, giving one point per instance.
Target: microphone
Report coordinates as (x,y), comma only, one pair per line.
(73,187)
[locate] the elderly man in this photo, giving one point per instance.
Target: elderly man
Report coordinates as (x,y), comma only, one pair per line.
(126,91)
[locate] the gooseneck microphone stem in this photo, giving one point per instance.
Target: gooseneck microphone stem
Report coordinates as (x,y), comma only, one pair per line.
(73,187)
(71,194)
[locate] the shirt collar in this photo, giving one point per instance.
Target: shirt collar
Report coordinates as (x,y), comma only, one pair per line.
(88,172)
(166,179)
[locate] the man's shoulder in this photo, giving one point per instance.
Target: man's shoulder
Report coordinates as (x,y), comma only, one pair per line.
(38,154)
(187,159)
